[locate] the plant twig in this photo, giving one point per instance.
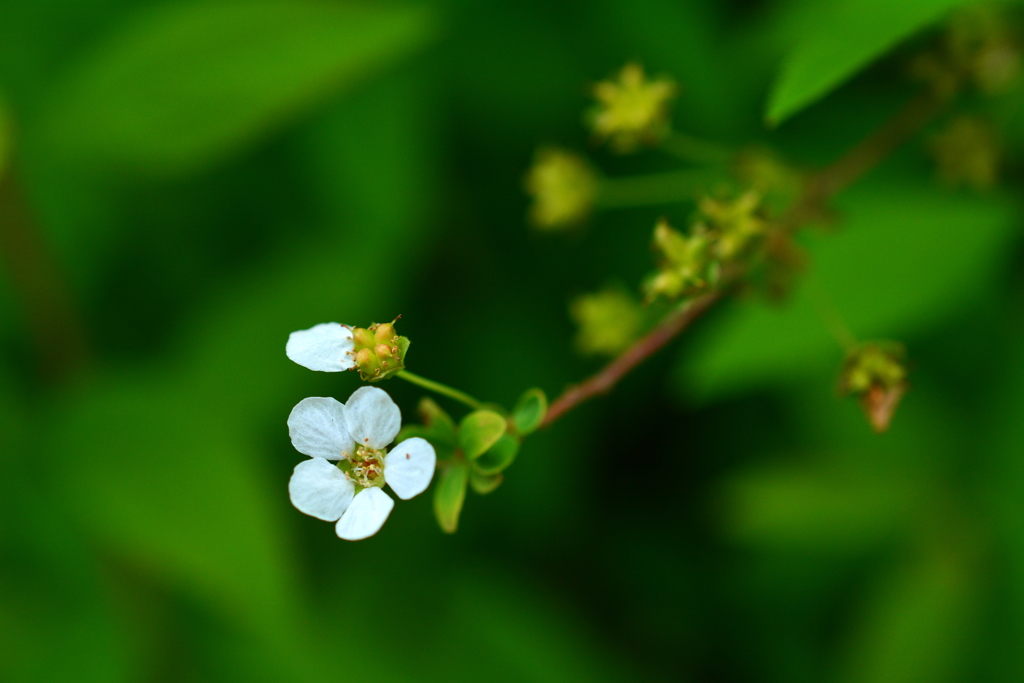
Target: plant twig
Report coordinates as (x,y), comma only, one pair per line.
(821,187)
(604,381)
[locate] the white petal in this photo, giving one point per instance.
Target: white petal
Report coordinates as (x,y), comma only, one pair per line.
(323,347)
(409,467)
(320,489)
(365,515)
(373,418)
(317,428)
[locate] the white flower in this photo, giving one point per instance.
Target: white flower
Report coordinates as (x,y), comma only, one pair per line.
(326,347)
(355,435)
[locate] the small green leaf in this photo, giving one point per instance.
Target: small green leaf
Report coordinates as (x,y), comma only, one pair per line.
(479,430)
(438,422)
(449,495)
(498,457)
(842,38)
(484,483)
(529,411)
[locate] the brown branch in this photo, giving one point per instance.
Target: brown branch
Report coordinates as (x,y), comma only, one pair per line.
(39,285)
(605,381)
(820,188)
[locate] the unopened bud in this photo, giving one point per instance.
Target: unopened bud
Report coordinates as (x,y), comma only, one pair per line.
(385,333)
(364,359)
(362,337)
(875,371)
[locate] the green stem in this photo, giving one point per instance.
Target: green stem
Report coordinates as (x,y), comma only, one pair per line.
(695,150)
(830,316)
(652,189)
(442,389)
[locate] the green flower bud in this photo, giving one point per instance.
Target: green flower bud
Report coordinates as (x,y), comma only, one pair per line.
(877,374)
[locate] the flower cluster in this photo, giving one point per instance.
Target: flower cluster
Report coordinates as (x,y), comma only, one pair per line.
(347,443)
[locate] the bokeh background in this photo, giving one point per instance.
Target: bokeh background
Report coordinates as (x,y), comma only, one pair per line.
(187,182)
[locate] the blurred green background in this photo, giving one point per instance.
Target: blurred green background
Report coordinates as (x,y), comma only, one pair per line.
(187,182)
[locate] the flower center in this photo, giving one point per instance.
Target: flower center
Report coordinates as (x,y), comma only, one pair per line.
(365,467)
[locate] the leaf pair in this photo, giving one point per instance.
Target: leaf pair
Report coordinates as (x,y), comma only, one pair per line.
(476,452)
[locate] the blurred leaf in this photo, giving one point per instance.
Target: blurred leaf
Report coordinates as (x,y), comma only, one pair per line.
(169,470)
(449,494)
(484,483)
(5,138)
(479,430)
(917,624)
(187,82)
(530,636)
(906,257)
(529,411)
(818,510)
(843,37)
(498,457)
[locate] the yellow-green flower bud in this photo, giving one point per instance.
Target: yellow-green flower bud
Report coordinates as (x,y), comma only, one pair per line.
(362,337)
(609,321)
(385,333)
(378,351)
(631,109)
(735,224)
(563,186)
(686,267)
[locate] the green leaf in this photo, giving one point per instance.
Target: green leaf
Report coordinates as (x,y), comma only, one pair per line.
(484,483)
(188,82)
(498,457)
(907,257)
(439,423)
(479,430)
(840,39)
(449,494)
(529,411)
(919,623)
(821,511)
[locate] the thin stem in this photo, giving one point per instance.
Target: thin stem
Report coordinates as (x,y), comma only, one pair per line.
(604,381)
(821,187)
(696,151)
(442,389)
(652,189)
(830,316)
